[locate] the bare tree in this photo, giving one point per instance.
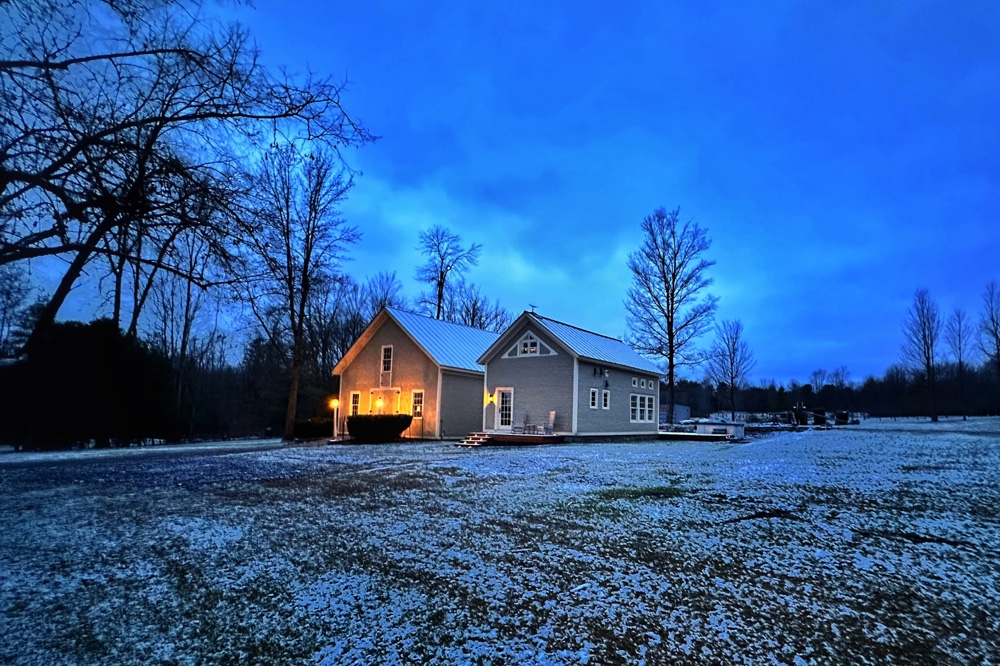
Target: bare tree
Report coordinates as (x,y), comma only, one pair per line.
(112,137)
(445,257)
(468,306)
(667,309)
(921,330)
(818,379)
(989,325)
(382,290)
(730,361)
(840,377)
(958,335)
(297,242)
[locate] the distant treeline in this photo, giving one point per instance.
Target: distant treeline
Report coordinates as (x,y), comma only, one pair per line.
(974,392)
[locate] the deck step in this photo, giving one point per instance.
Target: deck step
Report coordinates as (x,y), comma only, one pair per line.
(475,439)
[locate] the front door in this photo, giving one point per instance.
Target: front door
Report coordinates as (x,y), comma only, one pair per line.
(505,408)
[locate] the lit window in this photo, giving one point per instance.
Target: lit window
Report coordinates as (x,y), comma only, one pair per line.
(606,400)
(418,404)
(529,346)
(355,402)
(387,358)
(593,398)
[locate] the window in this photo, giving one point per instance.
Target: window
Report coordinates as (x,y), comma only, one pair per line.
(641,408)
(635,382)
(355,402)
(418,405)
(606,399)
(529,345)
(387,358)
(593,398)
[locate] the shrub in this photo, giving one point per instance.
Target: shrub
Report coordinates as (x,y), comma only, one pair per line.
(377,428)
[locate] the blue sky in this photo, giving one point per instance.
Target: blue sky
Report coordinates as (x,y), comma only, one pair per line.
(841,155)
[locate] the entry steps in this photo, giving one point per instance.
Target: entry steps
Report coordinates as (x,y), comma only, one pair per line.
(476,439)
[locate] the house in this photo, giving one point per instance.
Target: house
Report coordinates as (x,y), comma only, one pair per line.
(405,363)
(543,375)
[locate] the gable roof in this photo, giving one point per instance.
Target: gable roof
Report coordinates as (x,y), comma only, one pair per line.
(586,344)
(448,345)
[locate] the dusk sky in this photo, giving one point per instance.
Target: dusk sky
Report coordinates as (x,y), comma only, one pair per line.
(841,155)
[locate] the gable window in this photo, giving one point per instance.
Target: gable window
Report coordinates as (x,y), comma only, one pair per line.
(529,345)
(641,408)
(355,402)
(606,399)
(593,398)
(418,405)
(635,382)
(386,358)
(642,383)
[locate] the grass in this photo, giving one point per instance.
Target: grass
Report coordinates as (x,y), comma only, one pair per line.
(641,492)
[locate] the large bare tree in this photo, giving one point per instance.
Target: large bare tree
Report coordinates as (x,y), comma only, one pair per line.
(297,241)
(667,304)
(921,331)
(121,123)
(445,258)
(730,361)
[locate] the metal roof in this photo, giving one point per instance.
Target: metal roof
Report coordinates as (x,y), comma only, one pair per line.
(449,345)
(595,346)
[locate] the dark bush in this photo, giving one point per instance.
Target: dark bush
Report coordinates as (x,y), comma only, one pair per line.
(376,428)
(83,384)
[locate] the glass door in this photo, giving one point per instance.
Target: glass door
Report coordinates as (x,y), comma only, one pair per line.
(505,407)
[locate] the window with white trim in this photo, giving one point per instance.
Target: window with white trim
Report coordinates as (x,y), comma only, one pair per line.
(642,383)
(593,398)
(606,399)
(417,405)
(386,358)
(355,402)
(635,382)
(641,408)
(529,345)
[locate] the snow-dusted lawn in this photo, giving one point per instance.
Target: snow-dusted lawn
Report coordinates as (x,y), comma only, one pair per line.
(874,544)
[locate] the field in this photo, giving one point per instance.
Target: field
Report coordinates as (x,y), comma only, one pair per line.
(877,543)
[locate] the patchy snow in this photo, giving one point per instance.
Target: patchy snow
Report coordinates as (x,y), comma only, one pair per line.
(876,543)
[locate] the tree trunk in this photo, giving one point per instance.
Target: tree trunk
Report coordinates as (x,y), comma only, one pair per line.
(293,403)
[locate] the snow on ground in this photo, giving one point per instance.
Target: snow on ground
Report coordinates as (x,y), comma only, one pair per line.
(877,543)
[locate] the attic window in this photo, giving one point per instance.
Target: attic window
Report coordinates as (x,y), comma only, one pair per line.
(528,345)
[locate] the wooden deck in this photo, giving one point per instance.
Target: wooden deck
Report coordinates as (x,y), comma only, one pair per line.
(696,437)
(509,439)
